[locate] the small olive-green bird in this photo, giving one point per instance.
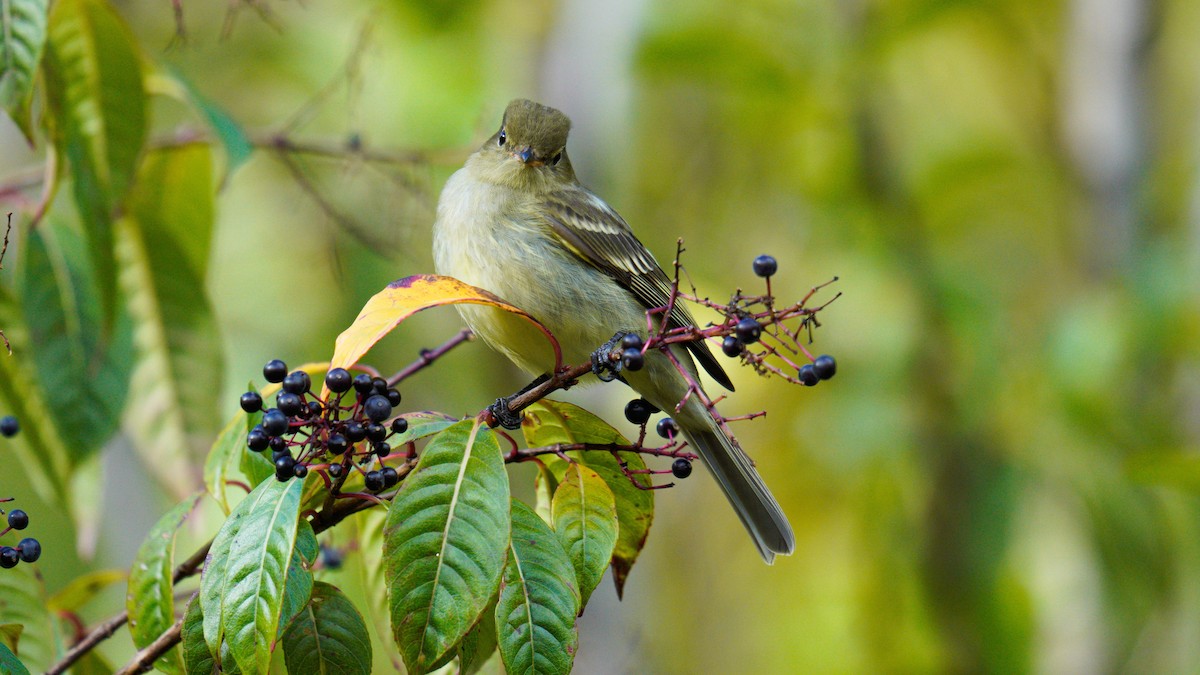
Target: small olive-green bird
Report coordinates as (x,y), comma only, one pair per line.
(515,221)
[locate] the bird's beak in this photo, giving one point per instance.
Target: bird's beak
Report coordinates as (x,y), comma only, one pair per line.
(525,154)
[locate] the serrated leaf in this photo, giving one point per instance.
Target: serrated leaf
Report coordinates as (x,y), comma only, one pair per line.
(38,447)
(550,422)
(150,600)
(241,590)
(535,615)
(229,447)
(10,664)
(403,298)
(163,245)
(445,542)
(328,636)
(97,118)
(86,366)
(584,513)
(81,590)
(22,38)
(22,601)
(297,588)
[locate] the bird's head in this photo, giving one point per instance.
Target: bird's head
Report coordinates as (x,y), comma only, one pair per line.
(531,144)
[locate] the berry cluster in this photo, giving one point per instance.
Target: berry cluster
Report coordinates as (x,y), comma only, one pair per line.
(331,436)
(28,549)
(638,411)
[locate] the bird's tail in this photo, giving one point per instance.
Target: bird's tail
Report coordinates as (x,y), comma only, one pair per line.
(745,490)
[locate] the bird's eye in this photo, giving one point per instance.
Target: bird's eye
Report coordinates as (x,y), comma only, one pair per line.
(554,160)
(503,138)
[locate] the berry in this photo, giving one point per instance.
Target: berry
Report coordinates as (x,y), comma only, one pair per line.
(275,371)
(393,397)
(383,448)
(399,425)
(390,477)
(289,404)
(278,445)
(300,470)
(374,481)
(765,266)
(731,346)
(337,444)
(274,422)
(355,432)
(379,385)
(632,359)
(377,408)
(808,375)
(331,558)
(376,432)
(667,428)
(825,366)
(632,341)
(335,470)
(314,409)
(338,380)
(681,468)
(638,411)
(9,426)
(363,384)
(297,382)
(251,402)
(285,468)
(30,549)
(9,557)
(748,330)
(257,440)
(18,519)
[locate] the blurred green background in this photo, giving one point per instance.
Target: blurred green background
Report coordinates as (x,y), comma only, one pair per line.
(1004,475)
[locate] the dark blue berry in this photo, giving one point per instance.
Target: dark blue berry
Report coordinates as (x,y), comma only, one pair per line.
(9,426)
(681,468)
(289,404)
(376,432)
(18,519)
(765,266)
(300,470)
(285,468)
(632,359)
(631,341)
(363,384)
(314,408)
(251,402)
(379,386)
(748,331)
(331,558)
(30,549)
(278,445)
(393,397)
(338,380)
(374,481)
(383,448)
(377,408)
(390,477)
(808,375)
(274,422)
(825,366)
(275,371)
(667,428)
(335,470)
(355,432)
(731,346)
(257,440)
(297,382)
(9,557)
(337,444)
(638,411)
(399,425)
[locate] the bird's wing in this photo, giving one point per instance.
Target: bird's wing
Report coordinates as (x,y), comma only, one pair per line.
(598,235)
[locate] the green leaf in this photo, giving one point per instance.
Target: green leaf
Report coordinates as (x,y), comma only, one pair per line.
(545,484)
(234,140)
(421,424)
(38,447)
(86,366)
(10,664)
(97,118)
(229,446)
(478,645)
(81,590)
(445,542)
(373,575)
(535,616)
(550,422)
(197,659)
(241,591)
(297,589)
(22,38)
(584,513)
(151,597)
(22,601)
(328,636)
(10,634)
(163,246)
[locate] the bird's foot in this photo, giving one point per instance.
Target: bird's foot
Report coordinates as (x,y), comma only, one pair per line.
(603,365)
(504,415)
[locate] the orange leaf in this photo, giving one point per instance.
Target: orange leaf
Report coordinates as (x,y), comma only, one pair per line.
(403,298)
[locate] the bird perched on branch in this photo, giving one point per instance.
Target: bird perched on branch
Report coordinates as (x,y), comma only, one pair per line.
(515,221)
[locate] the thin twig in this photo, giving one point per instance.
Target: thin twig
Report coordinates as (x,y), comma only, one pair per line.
(428,356)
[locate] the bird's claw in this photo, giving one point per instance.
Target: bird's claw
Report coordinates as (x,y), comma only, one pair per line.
(603,365)
(504,415)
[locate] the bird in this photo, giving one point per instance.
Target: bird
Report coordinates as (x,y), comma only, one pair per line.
(515,221)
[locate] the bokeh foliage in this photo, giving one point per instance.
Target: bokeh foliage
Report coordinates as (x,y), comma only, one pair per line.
(1003,476)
